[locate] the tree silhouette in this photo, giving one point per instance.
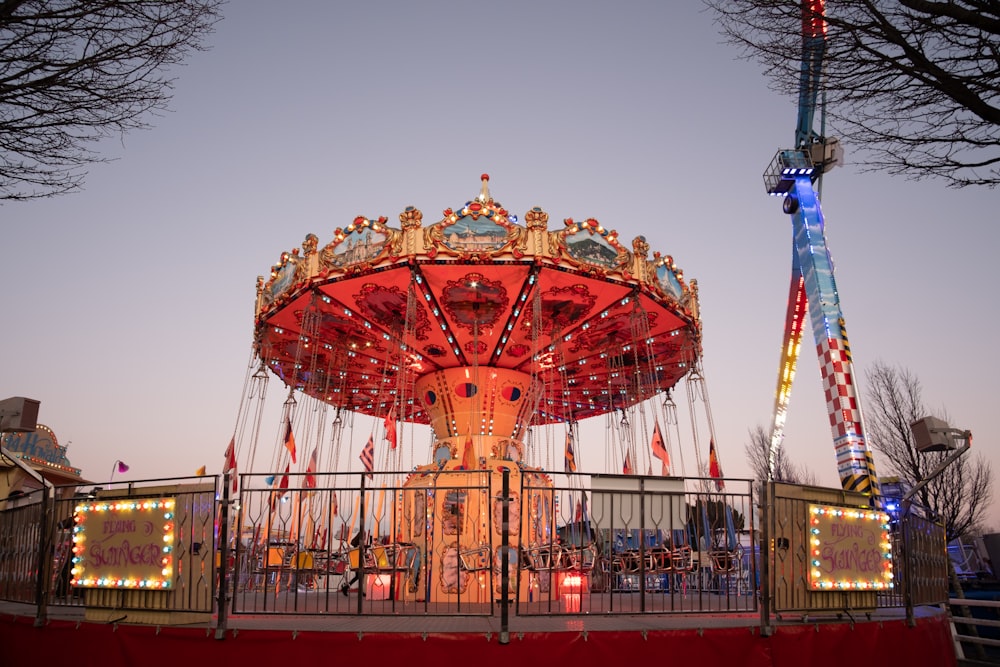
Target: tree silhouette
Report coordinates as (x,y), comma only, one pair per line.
(73,72)
(913,86)
(960,496)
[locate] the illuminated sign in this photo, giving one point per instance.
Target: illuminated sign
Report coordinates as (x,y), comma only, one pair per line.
(849,549)
(124,543)
(39,446)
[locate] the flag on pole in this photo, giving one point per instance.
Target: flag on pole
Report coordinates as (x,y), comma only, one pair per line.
(714,470)
(570,463)
(627,468)
(230,465)
(278,494)
(660,450)
(469,455)
(310,480)
(368,457)
(289,438)
(390,427)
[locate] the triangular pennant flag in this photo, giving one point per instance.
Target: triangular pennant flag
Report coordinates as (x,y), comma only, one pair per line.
(282,489)
(714,469)
(469,455)
(289,438)
(659,449)
(230,465)
(390,427)
(570,462)
(310,480)
(368,457)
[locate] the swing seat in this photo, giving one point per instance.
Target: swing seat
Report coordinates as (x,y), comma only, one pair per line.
(628,562)
(377,559)
(476,559)
(724,562)
(544,558)
(618,564)
(581,559)
(682,560)
(337,564)
(275,557)
(387,558)
(659,560)
(405,555)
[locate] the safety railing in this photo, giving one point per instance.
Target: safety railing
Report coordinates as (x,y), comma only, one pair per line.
(976,628)
(641,545)
(154,542)
(573,544)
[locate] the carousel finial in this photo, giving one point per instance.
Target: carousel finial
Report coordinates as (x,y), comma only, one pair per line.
(484,195)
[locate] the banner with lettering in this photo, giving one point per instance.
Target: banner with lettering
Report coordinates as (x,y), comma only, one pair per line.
(124,543)
(849,549)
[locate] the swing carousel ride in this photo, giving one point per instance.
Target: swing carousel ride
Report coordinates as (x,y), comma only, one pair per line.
(486,331)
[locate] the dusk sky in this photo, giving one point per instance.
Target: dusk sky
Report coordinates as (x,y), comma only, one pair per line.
(128,307)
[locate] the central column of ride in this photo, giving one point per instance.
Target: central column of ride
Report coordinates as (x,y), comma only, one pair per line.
(452,505)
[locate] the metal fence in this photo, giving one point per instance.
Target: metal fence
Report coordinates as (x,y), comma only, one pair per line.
(918,557)
(572,544)
(322,572)
(643,545)
(40,533)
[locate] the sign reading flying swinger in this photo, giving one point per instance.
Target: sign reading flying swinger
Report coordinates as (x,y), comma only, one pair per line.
(849,549)
(124,543)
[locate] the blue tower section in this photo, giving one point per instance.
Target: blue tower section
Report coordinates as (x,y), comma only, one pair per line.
(791,174)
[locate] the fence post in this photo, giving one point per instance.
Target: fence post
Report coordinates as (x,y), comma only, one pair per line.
(362,546)
(45,529)
(223,567)
(764,587)
(904,524)
(505,560)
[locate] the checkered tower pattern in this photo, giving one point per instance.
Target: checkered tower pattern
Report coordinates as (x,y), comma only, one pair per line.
(854,459)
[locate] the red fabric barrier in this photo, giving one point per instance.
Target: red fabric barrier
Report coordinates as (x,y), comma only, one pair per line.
(833,645)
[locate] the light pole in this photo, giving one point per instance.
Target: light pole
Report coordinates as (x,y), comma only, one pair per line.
(931,434)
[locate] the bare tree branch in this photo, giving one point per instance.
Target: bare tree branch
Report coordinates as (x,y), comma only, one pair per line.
(913,86)
(757,451)
(73,72)
(961,495)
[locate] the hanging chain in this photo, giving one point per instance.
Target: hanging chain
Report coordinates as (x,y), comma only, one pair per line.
(670,423)
(257,388)
(641,355)
(703,386)
(692,387)
(407,398)
(536,338)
